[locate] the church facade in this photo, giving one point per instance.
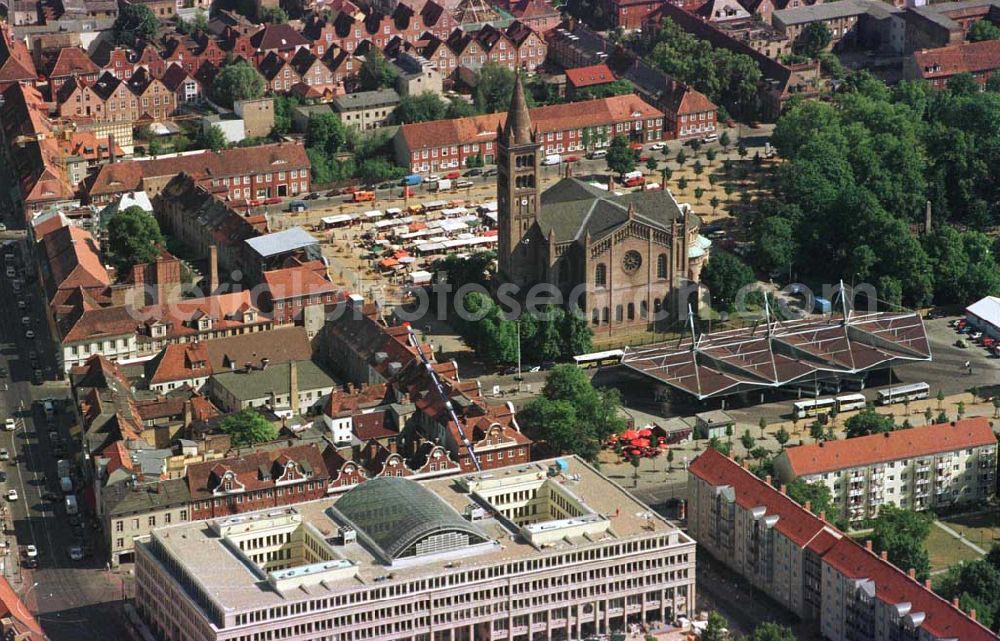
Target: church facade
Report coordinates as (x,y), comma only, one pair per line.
(623,261)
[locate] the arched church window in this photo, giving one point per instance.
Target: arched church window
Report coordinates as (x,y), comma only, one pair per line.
(601,275)
(661,266)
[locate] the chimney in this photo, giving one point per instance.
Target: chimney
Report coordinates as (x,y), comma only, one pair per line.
(884,555)
(868,545)
(912,574)
(187,413)
(972,614)
(767,479)
(954,602)
(213,269)
(927,584)
(111,148)
(392,445)
(782,489)
(293,387)
(745,465)
(808,506)
(822,516)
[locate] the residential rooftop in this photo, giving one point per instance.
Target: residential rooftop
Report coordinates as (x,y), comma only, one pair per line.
(901,444)
(605,512)
(273,379)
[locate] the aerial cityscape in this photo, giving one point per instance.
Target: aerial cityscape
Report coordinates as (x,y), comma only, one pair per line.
(482,320)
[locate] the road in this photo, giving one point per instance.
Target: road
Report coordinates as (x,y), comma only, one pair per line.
(72,600)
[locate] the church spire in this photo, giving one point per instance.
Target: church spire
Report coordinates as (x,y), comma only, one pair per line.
(517,131)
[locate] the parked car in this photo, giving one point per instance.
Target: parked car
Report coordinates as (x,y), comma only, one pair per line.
(433,178)
(31,551)
(30,334)
(9,425)
(75,552)
(11,495)
(350,189)
(961,344)
(475,171)
(492,171)
(4,454)
(453,175)
(656,146)
(976,335)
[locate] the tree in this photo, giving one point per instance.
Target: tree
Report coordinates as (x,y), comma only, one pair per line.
(725,275)
(420,108)
(620,158)
(724,140)
(996,406)
(248,427)
(459,108)
(376,170)
(983,30)
(928,415)
(960,410)
(940,398)
(714,202)
(962,84)
(716,629)
(696,146)
(326,133)
(238,81)
(747,440)
(272,15)
(762,424)
(376,72)
(867,422)
(816,431)
(681,158)
(670,459)
(494,88)
(133,238)
(741,149)
(651,164)
(698,168)
(782,436)
(212,137)
(682,184)
(814,39)
(710,155)
(772,632)
(901,533)
(135,22)
(698,193)
(816,494)
(635,461)
(595,413)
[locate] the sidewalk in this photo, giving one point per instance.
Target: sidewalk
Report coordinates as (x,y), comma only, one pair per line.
(975,548)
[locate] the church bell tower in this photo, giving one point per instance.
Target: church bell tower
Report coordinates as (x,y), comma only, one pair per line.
(518,194)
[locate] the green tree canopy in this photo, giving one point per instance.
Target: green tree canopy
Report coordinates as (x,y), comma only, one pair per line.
(867,422)
(901,533)
(814,39)
(376,72)
(238,81)
(494,88)
(135,22)
(620,158)
(212,137)
(133,238)
(725,275)
(596,413)
(716,629)
(772,632)
(326,133)
(983,30)
(816,494)
(420,108)
(248,427)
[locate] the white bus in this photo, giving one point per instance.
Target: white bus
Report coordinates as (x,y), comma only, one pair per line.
(848,402)
(898,394)
(813,407)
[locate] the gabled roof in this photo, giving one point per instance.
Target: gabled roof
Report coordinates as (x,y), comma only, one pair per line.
(589,76)
(272,64)
(278,37)
(309,279)
(16,64)
(73,259)
(987,308)
(968,57)
(202,478)
(915,442)
(73,61)
(174,77)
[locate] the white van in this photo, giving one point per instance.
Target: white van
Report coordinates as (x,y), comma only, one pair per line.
(710,138)
(71,505)
(552,159)
(598,153)
(442,185)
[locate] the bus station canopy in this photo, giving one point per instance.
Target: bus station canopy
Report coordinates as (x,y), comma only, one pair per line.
(774,354)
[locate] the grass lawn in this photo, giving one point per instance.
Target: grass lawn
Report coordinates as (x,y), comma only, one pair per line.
(983,528)
(944,551)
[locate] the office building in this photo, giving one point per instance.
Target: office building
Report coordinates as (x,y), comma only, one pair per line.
(548,550)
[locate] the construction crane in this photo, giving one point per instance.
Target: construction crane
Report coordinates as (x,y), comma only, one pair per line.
(444,397)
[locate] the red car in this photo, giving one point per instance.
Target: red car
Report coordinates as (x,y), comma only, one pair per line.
(635,146)
(571,159)
(454,175)
(273,200)
(350,189)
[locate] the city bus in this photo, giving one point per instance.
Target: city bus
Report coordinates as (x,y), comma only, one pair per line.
(812,407)
(599,359)
(898,394)
(848,402)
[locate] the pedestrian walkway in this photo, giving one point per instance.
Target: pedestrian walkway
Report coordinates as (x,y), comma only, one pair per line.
(975,548)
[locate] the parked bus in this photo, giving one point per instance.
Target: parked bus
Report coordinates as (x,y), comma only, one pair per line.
(599,359)
(900,393)
(848,402)
(812,407)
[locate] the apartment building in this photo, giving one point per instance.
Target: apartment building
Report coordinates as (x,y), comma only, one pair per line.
(549,550)
(918,468)
(566,128)
(938,66)
(809,567)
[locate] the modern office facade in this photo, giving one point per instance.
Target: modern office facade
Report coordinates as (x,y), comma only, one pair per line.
(549,550)
(847,590)
(917,469)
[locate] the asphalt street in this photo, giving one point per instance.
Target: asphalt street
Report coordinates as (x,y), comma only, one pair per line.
(73,600)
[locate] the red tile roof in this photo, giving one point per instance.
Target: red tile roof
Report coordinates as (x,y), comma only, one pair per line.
(968,57)
(892,586)
(692,101)
(178,361)
(23,621)
(73,61)
(589,76)
(794,521)
(15,60)
(551,118)
(73,260)
(278,37)
(889,446)
(202,478)
(128,175)
(308,279)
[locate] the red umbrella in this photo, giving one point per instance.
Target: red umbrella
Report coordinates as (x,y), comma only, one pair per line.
(629,435)
(645,432)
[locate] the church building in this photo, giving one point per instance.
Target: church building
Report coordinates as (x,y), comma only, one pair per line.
(619,259)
